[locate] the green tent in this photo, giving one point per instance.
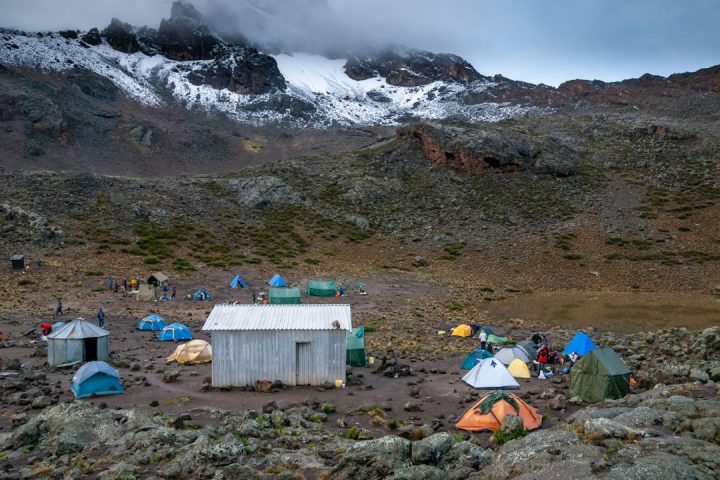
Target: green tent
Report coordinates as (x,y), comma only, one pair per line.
(284,296)
(318,288)
(355,349)
(600,375)
(494,339)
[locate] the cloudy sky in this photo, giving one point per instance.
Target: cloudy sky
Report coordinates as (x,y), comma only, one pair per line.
(546,41)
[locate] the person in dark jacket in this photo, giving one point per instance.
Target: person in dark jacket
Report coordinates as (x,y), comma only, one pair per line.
(101,318)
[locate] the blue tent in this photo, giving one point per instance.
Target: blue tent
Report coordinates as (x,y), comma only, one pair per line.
(474,358)
(238,280)
(202,294)
(151,322)
(96,378)
(277,281)
(580,344)
(175,332)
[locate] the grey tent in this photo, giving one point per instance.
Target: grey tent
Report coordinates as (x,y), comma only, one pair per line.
(77,341)
(145,293)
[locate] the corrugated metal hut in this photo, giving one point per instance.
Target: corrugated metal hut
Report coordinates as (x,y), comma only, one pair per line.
(158,280)
(296,344)
(78,341)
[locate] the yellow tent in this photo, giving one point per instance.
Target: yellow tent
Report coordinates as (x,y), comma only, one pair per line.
(518,369)
(195,351)
(462,331)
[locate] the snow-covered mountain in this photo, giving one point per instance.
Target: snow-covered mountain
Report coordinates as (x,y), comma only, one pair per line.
(317,89)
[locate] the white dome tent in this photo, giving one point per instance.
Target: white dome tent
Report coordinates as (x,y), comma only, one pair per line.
(490,374)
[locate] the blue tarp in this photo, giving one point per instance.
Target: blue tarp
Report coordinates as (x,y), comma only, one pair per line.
(580,344)
(277,281)
(96,378)
(202,294)
(152,323)
(175,332)
(474,358)
(238,280)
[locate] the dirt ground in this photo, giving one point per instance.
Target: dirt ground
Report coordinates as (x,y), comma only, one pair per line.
(437,385)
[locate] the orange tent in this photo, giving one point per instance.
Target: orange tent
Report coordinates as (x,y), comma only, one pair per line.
(498,404)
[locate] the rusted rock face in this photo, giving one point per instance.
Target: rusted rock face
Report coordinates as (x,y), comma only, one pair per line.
(473,152)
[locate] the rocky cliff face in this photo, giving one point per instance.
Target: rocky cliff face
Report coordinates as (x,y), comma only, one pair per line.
(478,151)
(410,68)
(241,70)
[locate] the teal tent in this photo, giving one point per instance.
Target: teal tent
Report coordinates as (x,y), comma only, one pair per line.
(474,358)
(277,281)
(284,296)
(318,288)
(355,348)
(531,348)
(238,281)
(96,378)
(202,295)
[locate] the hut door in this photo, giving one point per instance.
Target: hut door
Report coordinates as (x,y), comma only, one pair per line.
(90,349)
(303,363)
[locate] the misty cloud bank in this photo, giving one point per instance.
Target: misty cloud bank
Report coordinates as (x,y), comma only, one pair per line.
(534,40)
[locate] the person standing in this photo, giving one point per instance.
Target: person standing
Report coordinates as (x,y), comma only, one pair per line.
(174,291)
(101,318)
(483,339)
(254,298)
(59,308)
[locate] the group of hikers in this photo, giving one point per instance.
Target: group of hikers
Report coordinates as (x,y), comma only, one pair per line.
(125,285)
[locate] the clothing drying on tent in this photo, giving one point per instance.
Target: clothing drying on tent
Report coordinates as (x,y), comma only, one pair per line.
(175,332)
(238,281)
(490,374)
(488,413)
(355,347)
(580,344)
(600,375)
(318,288)
(277,281)
(96,378)
(494,339)
(202,295)
(519,369)
(195,351)
(284,296)
(151,323)
(462,331)
(510,353)
(475,357)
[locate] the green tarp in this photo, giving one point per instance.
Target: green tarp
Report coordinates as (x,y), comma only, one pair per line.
(284,296)
(319,288)
(355,355)
(495,339)
(600,375)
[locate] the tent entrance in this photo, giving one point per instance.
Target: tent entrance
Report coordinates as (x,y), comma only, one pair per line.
(90,349)
(303,363)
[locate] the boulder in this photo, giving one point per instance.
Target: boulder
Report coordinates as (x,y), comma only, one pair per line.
(420,261)
(170,375)
(373,459)
(598,429)
(92,37)
(417,472)
(431,450)
(511,424)
(467,455)
(558,402)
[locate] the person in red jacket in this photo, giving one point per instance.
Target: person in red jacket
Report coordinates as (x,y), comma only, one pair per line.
(543,356)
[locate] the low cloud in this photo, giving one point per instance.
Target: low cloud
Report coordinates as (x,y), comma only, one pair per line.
(534,40)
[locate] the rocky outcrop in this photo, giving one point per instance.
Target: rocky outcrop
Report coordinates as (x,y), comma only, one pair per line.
(243,70)
(184,36)
(477,151)
(121,36)
(410,68)
(92,37)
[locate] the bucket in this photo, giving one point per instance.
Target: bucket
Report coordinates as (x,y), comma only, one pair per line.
(338,383)
(371,360)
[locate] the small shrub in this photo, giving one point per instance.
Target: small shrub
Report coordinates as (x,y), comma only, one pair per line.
(94,273)
(312,261)
(327,408)
(25,281)
(151,260)
(457,305)
(501,437)
(572,256)
(353,433)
